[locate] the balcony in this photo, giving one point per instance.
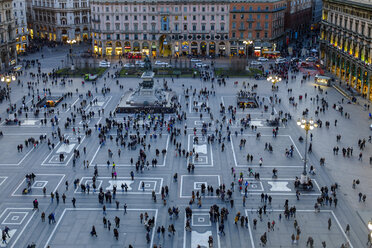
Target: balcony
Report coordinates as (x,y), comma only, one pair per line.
(258,29)
(251,20)
(164,12)
(242,29)
(199,32)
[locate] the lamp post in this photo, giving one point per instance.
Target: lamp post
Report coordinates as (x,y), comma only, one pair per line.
(307,125)
(71,42)
(247,43)
(8,79)
(273,79)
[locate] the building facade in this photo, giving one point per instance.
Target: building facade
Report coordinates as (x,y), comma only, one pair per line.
(60,20)
(256,26)
(346,43)
(298,18)
(165,29)
(19,10)
(7,35)
(317,12)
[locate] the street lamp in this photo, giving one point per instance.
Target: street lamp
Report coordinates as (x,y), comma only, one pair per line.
(307,125)
(273,79)
(247,43)
(71,42)
(8,79)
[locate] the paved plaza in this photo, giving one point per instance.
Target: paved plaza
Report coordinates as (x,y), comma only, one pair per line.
(107,162)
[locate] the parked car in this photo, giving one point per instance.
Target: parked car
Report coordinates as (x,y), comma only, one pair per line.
(311,59)
(160,62)
(129,66)
(256,63)
(104,64)
(195,60)
(262,59)
(280,60)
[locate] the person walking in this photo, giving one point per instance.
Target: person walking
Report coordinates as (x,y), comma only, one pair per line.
(116,234)
(73,202)
(347,230)
(125,208)
(93,232)
(329,223)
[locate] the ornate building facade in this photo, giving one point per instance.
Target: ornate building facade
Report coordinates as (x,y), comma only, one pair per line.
(346,42)
(7,35)
(60,20)
(19,10)
(166,28)
(257,25)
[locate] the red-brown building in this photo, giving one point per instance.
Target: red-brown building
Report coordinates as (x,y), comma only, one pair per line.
(256,26)
(298,18)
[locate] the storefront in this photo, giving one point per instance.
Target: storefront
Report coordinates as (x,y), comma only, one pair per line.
(177,49)
(153,49)
(136,46)
(257,51)
(127,47)
(271,54)
(109,48)
(118,48)
(233,51)
(203,48)
(241,50)
(194,48)
(212,48)
(145,48)
(222,49)
(185,48)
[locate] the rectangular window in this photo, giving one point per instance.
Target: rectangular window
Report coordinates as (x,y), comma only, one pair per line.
(212,27)
(194,18)
(126,18)
(233,16)
(203,27)
(117,18)
(222,27)
(222,18)
(117,26)
(233,34)
(194,27)
(135,18)
(118,36)
(144,18)
(107,18)
(258,35)
(266,17)
(203,18)
(258,16)
(242,16)
(265,34)
(185,27)
(176,9)
(241,35)
(194,9)
(212,17)
(234,25)
(184,9)
(266,25)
